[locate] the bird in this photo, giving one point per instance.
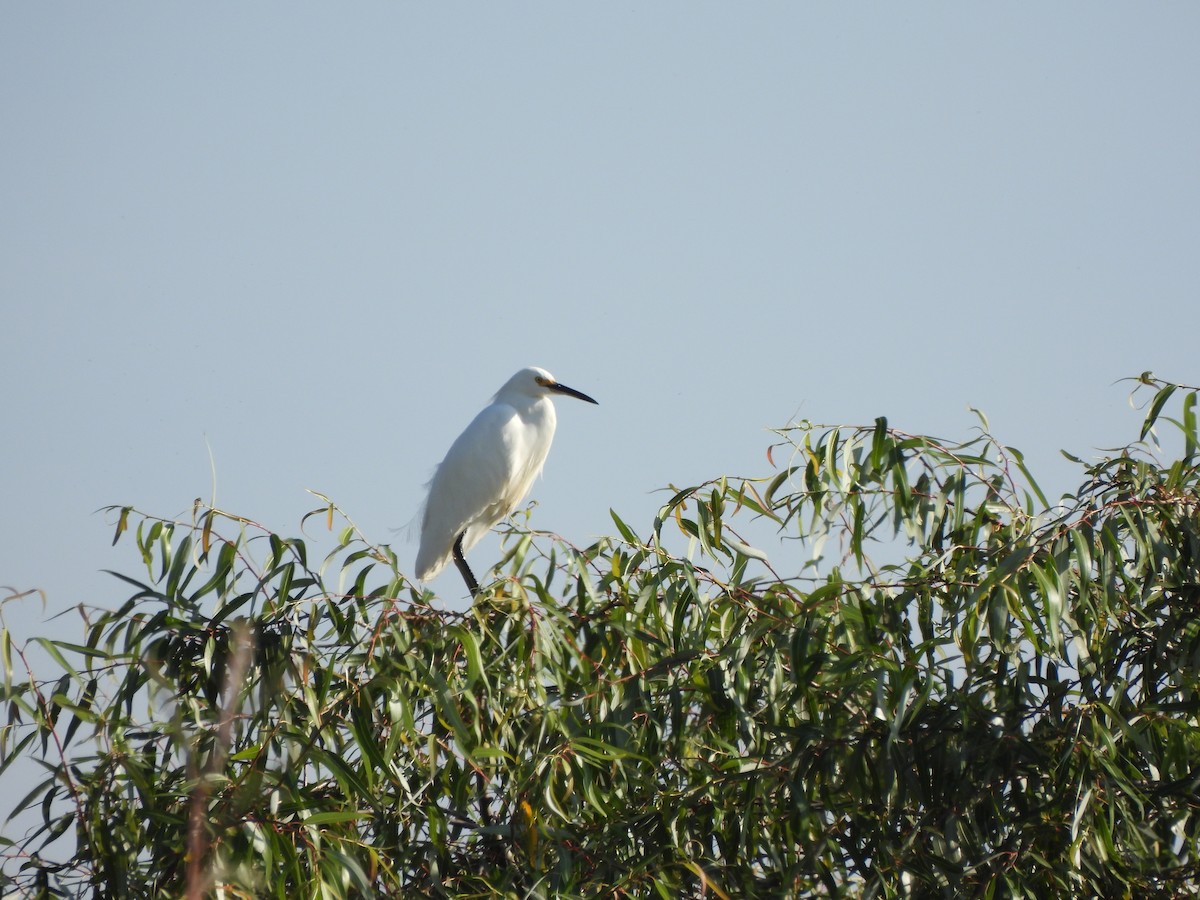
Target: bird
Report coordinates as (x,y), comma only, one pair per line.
(488,470)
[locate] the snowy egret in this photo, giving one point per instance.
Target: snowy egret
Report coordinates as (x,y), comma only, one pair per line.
(488,469)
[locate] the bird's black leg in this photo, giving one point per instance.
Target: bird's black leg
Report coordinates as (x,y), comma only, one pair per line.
(461,562)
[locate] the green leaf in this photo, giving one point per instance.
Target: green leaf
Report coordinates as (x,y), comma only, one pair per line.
(122,524)
(625,531)
(334,817)
(1189,425)
(1156,406)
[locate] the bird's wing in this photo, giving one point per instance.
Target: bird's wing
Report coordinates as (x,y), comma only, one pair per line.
(468,490)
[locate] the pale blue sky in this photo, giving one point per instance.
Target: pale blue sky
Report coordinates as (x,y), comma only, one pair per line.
(321,236)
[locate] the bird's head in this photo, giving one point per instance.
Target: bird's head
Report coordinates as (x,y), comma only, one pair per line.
(537,382)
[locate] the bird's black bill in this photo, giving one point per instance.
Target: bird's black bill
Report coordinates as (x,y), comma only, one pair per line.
(571,392)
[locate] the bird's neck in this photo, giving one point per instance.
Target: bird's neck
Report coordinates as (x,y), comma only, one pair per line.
(538,412)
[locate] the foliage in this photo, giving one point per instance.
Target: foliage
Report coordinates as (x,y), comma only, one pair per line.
(980,694)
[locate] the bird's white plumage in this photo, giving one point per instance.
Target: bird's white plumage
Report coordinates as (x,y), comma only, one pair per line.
(489,467)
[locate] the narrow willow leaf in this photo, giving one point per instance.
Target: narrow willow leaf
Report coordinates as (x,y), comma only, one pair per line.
(1019,457)
(1156,406)
(625,531)
(334,817)
(1189,425)
(122,524)
(206,531)
(51,647)
(745,549)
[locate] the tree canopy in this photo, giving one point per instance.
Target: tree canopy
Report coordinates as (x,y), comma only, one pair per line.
(956,688)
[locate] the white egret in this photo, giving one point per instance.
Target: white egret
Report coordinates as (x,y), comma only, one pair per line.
(488,470)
